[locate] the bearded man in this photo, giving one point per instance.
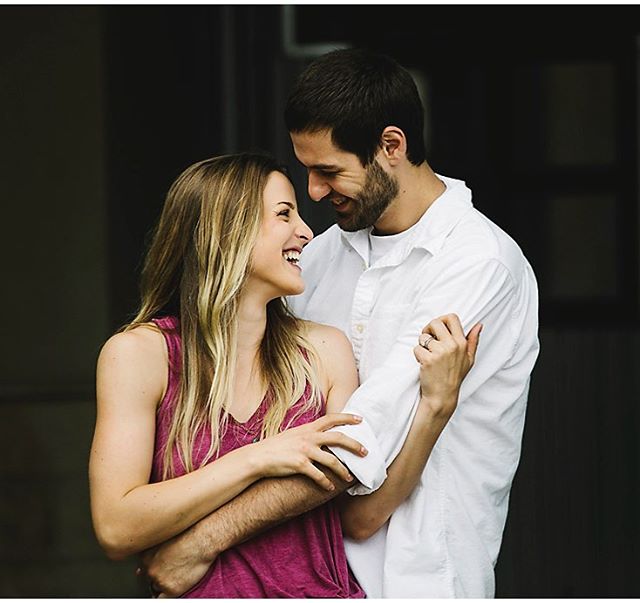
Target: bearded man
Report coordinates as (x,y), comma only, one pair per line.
(408,246)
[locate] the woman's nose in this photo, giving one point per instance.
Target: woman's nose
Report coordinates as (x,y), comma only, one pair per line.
(304,232)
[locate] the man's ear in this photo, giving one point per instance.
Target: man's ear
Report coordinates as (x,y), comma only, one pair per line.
(393,144)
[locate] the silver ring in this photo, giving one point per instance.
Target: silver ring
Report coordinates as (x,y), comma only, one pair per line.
(426,342)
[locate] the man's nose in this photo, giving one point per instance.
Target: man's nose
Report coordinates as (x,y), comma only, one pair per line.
(317,187)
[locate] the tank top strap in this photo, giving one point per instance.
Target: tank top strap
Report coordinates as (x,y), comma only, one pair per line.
(170,327)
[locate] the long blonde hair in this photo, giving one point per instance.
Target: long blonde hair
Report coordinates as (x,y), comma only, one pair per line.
(196,267)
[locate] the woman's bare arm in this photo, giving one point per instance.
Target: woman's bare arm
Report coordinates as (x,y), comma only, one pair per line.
(177,565)
(129,514)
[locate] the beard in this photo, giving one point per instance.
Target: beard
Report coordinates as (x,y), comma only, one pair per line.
(377,193)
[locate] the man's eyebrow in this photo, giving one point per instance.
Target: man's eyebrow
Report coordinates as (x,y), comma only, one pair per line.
(325,167)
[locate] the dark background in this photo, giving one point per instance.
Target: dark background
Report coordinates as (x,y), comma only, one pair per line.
(534,106)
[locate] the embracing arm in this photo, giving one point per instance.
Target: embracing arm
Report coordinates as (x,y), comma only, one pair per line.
(129,514)
(179,564)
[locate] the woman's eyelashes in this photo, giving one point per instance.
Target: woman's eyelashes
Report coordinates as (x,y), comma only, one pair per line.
(286,212)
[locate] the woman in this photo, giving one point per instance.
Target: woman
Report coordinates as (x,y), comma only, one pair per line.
(214,385)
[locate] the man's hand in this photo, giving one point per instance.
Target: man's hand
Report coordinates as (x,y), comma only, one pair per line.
(174,567)
(177,565)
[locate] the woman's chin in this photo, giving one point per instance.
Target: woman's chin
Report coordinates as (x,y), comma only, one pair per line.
(295,290)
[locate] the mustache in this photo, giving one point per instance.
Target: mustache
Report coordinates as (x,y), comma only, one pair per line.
(334,197)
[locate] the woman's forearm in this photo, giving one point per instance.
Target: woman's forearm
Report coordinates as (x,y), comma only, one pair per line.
(152,513)
(362,516)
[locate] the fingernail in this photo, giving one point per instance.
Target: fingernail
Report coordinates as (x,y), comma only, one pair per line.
(358,418)
(349,478)
(363,451)
(332,487)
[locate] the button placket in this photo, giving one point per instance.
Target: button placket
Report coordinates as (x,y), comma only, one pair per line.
(361,310)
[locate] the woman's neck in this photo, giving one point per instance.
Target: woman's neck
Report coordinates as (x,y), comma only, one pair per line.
(248,386)
(252,323)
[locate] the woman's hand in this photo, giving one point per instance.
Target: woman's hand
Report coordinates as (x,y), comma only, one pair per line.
(296,450)
(445,356)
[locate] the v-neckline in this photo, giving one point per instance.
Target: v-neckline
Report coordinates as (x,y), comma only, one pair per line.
(253,414)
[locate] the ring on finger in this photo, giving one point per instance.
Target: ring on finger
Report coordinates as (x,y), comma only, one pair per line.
(425,342)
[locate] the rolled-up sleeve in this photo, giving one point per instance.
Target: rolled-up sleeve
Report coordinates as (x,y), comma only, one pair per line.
(477,291)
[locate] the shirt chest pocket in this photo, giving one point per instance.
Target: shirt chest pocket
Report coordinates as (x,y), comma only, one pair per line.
(383,329)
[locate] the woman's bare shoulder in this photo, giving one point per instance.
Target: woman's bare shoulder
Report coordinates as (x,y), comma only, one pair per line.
(145,339)
(134,362)
(333,347)
(324,336)
(140,352)
(336,356)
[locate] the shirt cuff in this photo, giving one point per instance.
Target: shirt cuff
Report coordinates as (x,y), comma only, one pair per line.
(369,470)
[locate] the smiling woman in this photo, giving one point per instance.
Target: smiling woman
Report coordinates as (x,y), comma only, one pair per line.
(245,395)
(282,236)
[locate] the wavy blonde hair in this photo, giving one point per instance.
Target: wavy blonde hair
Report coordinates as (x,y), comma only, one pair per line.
(196,268)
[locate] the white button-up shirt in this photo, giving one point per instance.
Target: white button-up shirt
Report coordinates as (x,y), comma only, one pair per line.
(443,541)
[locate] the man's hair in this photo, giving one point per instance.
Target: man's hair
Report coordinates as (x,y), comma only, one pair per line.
(356,94)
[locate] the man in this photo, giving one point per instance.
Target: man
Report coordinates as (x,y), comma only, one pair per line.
(408,246)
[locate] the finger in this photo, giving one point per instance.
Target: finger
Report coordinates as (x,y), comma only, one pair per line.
(421,354)
(311,471)
(335,438)
(425,340)
(330,461)
(452,321)
(162,596)
(439,330)
(472,341)
(428,330)
(337,418)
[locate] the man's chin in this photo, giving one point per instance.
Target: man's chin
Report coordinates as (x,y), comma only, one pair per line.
(347,223)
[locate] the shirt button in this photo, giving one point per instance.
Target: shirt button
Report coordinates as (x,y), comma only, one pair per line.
(359,328)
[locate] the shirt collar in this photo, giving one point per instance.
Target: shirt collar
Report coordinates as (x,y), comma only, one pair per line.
(431,230)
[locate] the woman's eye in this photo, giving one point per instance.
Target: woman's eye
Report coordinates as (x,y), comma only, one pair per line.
(284,212)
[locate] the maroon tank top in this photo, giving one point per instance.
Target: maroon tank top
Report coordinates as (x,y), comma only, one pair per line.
(302,558)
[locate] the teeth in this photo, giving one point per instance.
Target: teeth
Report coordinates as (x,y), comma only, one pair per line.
(292,256)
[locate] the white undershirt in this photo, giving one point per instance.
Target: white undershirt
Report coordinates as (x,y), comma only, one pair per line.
(380,245)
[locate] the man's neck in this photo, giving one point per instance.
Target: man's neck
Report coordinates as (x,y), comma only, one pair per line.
(419,188)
